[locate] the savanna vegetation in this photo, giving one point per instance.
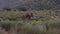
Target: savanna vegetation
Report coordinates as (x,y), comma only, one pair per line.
(42,22)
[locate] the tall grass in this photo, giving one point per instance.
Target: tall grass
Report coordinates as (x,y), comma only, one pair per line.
(36,26)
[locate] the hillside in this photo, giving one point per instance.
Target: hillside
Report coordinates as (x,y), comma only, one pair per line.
(32,4)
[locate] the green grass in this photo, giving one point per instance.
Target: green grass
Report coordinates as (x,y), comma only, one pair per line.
(37,26)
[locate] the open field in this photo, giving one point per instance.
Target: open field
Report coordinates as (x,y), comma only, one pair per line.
(42,22)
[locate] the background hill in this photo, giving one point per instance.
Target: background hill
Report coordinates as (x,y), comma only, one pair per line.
(30,4)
